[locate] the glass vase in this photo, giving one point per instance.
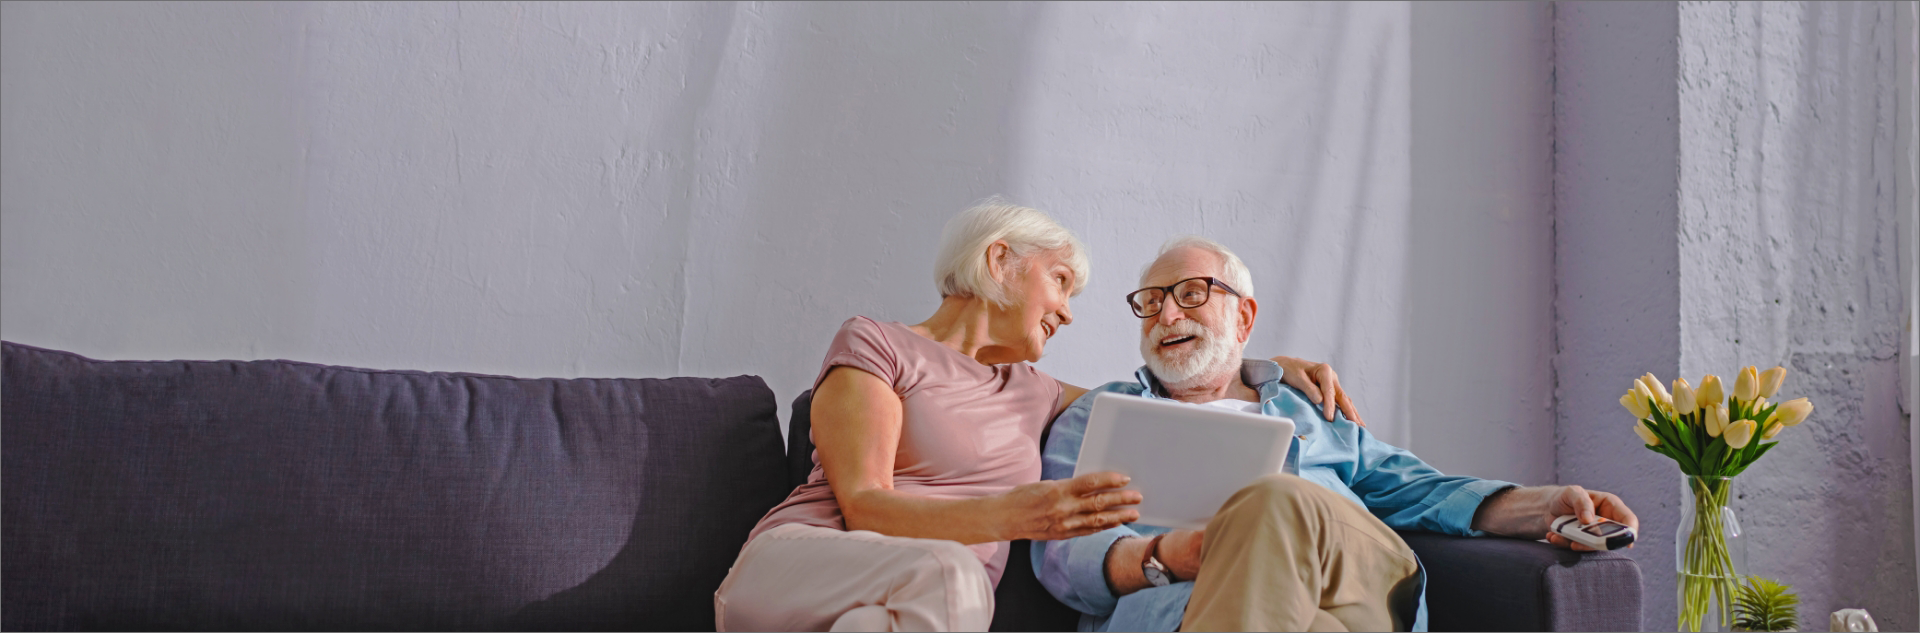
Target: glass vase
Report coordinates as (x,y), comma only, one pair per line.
(1710,552)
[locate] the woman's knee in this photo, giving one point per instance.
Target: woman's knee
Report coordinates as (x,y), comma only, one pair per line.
(948,564)
(946,587)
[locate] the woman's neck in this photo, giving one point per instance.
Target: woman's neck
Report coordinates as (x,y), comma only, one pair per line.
(965,325)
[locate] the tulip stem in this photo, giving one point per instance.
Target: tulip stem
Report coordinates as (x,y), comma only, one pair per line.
(1707,576)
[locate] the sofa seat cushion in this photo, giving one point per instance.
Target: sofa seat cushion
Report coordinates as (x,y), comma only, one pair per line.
(282,495)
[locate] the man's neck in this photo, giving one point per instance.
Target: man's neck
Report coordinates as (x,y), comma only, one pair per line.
(1228,385)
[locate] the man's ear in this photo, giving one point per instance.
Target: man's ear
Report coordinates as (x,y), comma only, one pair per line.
(1248,309)
(998,254)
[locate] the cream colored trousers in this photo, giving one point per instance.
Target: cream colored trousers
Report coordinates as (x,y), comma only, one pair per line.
(807,578)
(1287,554)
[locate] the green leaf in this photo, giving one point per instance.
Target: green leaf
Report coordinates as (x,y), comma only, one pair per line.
(1761,449)
(1716,459)
(1670,440)
(1686,437)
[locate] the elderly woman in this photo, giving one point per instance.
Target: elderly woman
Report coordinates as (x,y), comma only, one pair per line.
(928,456)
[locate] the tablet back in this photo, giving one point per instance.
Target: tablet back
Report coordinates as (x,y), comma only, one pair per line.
(1186,460)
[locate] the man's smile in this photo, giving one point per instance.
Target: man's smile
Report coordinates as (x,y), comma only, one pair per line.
(1176,340)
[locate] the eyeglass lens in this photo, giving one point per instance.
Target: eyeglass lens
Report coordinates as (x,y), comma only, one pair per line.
(1191,293)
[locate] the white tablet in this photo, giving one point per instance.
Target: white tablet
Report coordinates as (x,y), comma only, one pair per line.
(1185,460)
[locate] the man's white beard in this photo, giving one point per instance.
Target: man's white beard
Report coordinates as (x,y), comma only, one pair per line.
(1214,357)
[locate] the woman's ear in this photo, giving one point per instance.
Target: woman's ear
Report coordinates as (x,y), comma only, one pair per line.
(999,255)
(1248,309)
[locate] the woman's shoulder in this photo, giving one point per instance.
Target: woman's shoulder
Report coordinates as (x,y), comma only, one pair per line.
(900,340)
(869,331)
(861,322)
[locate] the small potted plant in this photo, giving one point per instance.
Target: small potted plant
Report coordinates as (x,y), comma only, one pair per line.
(1765,605)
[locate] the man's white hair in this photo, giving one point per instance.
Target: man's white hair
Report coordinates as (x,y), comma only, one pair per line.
(960,269)
(1232,270)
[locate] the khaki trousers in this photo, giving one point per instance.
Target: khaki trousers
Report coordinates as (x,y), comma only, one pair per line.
(806,578)
(1287,554)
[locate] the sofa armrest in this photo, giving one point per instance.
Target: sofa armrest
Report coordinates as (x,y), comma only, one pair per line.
(1499,584)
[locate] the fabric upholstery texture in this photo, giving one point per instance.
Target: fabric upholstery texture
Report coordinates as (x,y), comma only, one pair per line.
(280,495)
(1497,584)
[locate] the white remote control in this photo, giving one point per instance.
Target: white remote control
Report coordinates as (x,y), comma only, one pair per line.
(1605,535)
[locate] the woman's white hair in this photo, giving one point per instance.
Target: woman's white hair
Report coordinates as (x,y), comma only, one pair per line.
(1232,270)
(961,267)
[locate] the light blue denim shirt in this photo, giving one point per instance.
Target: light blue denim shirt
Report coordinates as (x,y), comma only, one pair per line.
(1403,491)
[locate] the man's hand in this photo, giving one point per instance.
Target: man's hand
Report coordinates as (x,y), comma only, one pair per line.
(1590,506)
(1320,384)
(1526,512)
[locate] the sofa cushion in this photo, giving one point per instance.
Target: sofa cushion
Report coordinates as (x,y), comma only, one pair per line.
(286,495)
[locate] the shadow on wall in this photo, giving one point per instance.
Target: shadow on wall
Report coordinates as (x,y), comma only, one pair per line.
(876,113)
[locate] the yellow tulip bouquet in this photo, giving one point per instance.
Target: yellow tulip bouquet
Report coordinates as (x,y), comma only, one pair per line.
(1713,436)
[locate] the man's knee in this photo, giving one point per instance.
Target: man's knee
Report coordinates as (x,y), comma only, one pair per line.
(1279,486)
(1282,490)
(1290,497)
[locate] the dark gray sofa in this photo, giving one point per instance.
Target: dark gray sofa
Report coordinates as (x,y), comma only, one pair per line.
(1473,584)
(278,495)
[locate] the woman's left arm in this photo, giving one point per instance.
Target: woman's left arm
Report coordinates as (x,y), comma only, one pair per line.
(1317,380)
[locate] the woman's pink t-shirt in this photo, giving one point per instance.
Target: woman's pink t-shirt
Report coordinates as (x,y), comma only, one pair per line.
(969,430)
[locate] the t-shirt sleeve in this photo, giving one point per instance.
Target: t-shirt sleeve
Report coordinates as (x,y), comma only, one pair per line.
(862,345)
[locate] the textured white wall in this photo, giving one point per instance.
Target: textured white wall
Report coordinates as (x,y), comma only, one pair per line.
(1788,256)
(709,189)
(1725,196)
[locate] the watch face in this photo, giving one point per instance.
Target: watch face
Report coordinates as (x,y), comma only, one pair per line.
(1155,576)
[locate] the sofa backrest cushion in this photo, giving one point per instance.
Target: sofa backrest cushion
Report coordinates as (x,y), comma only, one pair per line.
(286,495)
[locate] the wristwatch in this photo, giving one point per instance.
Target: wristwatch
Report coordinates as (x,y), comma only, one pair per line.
(1155,571)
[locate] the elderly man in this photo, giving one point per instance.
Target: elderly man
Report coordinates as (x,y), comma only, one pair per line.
(1310,549)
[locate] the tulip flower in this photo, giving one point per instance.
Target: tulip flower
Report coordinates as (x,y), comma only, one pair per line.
(1659,391)
(1747,386)
(1710,391)
(1772,430)
(1641,392)
(1740,433)
(1770,381)
(1636,405)
(1793,412)
(1715,418)
(1646,434)
(1683,397)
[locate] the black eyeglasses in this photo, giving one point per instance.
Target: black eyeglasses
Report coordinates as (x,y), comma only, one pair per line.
(1187,293)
